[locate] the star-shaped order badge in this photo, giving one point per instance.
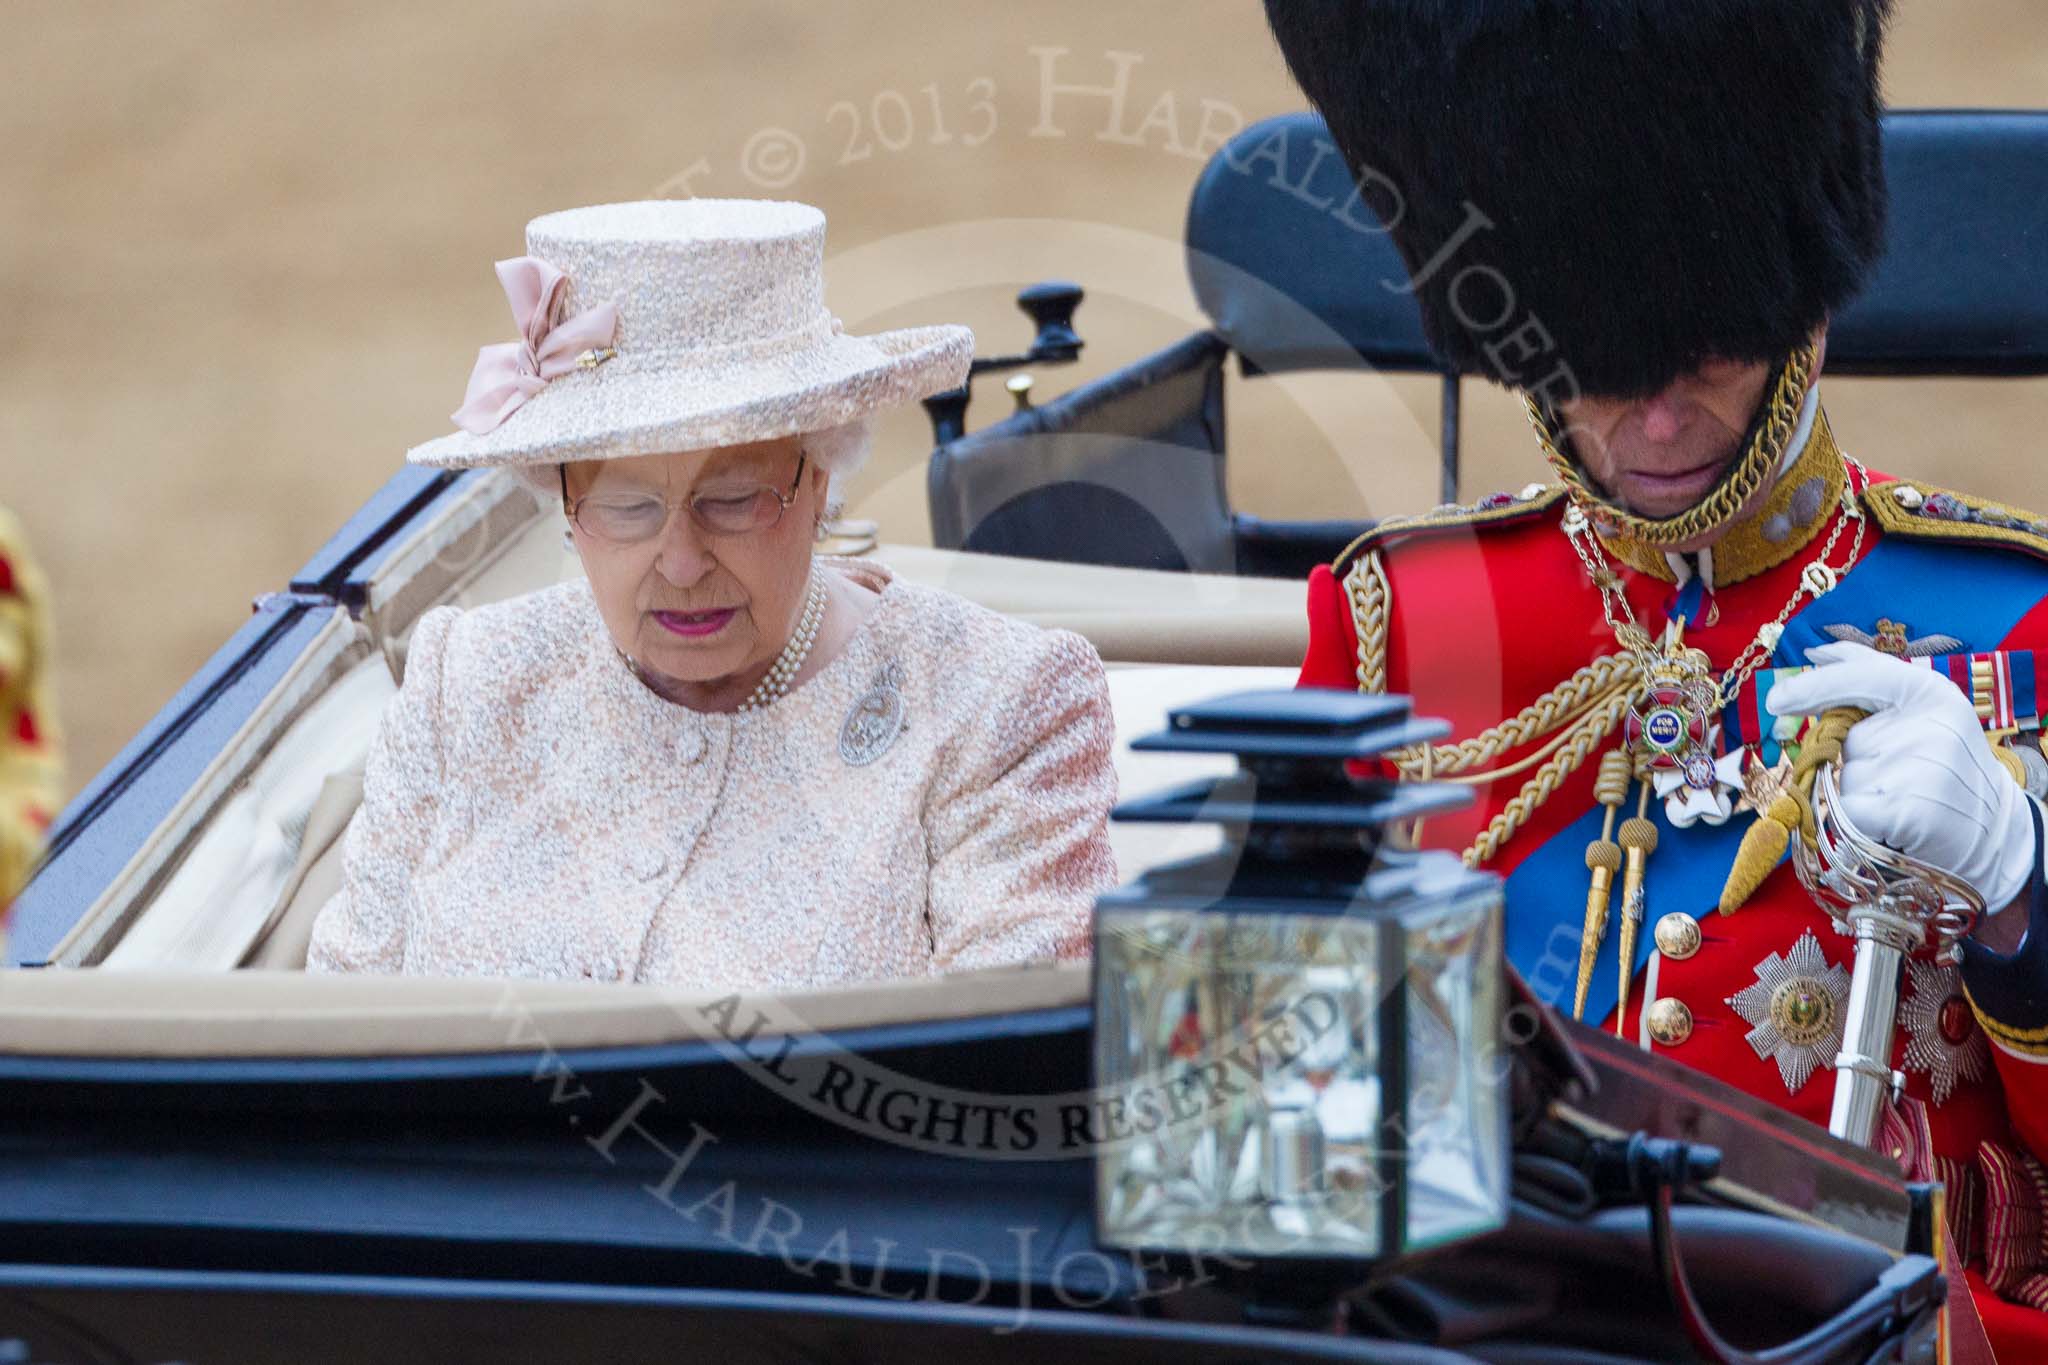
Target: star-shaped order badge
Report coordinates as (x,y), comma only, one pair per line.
(1795,1010)
(1942,1037)
(1687,802)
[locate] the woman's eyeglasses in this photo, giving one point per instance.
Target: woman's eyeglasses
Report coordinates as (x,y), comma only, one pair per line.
(721,510)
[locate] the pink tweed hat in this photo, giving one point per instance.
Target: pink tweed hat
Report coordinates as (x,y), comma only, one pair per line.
(678,324)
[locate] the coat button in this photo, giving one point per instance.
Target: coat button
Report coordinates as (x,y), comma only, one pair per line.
(1677,935)
(647,863)
(689,746)
(1668,1020)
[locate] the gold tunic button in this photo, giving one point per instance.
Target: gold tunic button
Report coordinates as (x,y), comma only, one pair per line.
(1668,1020)
(1677,935)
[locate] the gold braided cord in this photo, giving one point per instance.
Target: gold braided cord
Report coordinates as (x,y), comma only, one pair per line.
(1533,757)
(1577,715)
(1587,736)
(1748,476)
(1370,597)
(1558,708)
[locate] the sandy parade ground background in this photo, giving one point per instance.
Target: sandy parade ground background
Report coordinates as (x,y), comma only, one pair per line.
(246,248)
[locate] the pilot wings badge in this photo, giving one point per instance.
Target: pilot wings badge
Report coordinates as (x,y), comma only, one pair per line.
(1891,638)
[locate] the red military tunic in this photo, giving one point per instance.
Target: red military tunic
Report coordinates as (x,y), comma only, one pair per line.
(1490,607)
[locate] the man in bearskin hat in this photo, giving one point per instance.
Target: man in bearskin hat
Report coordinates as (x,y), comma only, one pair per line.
(1642,216)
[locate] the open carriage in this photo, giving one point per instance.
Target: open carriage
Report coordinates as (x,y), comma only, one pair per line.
(213,1156)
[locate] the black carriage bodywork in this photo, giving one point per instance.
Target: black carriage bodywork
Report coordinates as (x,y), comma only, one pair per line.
(534,1205)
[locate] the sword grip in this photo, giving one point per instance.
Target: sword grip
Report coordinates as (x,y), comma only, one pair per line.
(1863,1070)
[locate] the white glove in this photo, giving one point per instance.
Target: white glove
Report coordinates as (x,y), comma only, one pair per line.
(1918,775)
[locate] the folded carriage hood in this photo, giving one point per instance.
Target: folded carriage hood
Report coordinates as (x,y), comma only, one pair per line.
(893,1135)
(114,1014)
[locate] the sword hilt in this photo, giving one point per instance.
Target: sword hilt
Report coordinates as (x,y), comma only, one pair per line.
(1892,905)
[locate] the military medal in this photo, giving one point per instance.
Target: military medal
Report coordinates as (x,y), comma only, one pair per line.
(1671,728)
(1761,781)
(1942,1037)
(1671,722)
(1795,1009)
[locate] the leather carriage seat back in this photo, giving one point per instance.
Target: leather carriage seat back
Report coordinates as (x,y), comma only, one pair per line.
(314,878)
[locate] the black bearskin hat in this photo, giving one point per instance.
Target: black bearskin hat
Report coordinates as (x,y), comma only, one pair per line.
(1651,183)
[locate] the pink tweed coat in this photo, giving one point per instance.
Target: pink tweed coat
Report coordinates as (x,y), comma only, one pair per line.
(530,808)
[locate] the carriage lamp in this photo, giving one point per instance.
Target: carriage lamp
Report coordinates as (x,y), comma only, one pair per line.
(1298,1046)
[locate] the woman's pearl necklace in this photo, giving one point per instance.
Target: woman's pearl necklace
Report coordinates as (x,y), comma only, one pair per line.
(791,660)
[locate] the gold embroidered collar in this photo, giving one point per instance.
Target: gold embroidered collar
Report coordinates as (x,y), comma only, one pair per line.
(1797,509)
(1794,511)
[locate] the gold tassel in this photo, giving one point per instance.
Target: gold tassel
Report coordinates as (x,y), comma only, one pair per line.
(1762,846)
(1638,841)
(1791,810)
(1603,857)
(1603,860)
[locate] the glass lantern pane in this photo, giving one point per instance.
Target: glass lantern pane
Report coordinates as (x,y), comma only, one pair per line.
(1456,1121)
(1237,1059)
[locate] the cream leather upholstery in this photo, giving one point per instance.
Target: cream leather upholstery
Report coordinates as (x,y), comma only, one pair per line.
(316,877)
(91,1012)
(1141,696)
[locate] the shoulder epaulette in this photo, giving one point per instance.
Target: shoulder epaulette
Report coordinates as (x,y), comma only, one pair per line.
(1920,512)
(1500,509)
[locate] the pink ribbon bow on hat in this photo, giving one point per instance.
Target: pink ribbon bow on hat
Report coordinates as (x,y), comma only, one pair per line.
(511,372)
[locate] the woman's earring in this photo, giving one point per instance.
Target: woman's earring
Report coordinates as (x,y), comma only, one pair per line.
(818,532)
(568,539)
